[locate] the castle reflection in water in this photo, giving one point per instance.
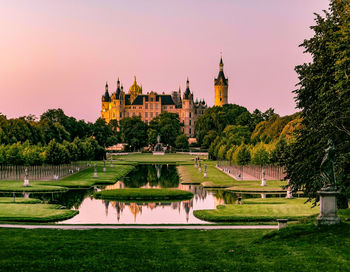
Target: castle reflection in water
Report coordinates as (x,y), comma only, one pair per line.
(136,208)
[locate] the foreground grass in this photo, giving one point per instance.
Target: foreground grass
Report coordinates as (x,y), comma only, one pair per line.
(168,158)
(144,194)
(215,178)
(85,179)
(302,248)
(27,210)
(260,210)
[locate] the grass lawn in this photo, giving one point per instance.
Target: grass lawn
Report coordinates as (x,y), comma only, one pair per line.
(267,209)
(35,186)
(27,210)
(215,178)
(168,158)
(85,179)
(299,248)
(254,186)
(144,194)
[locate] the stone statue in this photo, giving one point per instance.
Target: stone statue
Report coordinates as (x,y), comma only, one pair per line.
(327,167)
(26,179)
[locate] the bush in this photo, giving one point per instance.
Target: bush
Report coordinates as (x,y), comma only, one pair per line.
(181,142)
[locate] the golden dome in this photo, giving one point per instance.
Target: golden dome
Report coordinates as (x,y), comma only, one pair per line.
(134,88)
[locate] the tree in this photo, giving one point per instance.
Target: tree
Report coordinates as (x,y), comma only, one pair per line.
(217,118)
(133,132)
(323,95)
(168,126)
(260,156)
(243,155)
(56,153)
(181,142)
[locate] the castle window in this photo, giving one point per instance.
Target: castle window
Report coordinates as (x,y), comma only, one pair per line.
(190,121)
(133,114)
(151,99)
(151,106)
(190,132)
(146,106)
(146,114)
(120,115)
(190,115)
(151,114)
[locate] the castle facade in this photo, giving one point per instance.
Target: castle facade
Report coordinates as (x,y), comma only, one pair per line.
(120,104)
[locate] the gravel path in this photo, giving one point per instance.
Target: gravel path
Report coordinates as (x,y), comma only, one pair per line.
(86,227)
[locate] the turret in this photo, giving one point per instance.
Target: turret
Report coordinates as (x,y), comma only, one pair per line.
(106,97)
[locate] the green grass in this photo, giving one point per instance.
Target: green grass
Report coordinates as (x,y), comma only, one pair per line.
(85,179)
(35,186)
(260,210)
(148,158)
(215,178)
(254,186)
(27,210)
(299,248)
(144,194)
(19,200)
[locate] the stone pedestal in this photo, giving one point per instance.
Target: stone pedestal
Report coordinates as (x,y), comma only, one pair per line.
(104,169)
(263,182)
(26,183)
(289,193)
(282,223)
(328,208)
(205,174)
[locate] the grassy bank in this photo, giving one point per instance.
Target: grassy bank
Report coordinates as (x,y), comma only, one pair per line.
(302,248)
(85,178)
(260,210)
(255,186)
(215,178)
(35,186)
(28,210)
(148,158)
(144,194)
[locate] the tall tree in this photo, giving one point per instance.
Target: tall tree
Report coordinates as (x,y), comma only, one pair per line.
(324,98)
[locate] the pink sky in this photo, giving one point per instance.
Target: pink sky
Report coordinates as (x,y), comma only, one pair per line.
(59,54)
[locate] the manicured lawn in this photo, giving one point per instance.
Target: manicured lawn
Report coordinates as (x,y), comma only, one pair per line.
(29,211)
(215,177)
(35,186)
(85,178)
(299,248)
(19,200)
(255,186)
(144,194)
(171,158)
(259,210)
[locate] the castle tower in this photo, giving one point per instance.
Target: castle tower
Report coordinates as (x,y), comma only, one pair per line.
(221,86)
(187,111)
(106,100)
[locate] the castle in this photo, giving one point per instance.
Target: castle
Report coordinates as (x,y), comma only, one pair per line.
(119,104)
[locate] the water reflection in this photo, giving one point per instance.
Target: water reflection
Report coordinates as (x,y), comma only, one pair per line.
(97,211)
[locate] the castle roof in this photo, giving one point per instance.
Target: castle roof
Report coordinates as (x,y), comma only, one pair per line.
(221,79)
(165,99)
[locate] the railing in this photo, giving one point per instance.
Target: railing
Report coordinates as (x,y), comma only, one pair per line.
(272,172)
(40,172)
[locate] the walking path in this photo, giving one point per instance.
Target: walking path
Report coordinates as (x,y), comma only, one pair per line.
(87,227)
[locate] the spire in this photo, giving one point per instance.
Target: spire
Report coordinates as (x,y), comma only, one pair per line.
(106,97)
(187,92)
(118,83)
(221,79)
(221,65)
(134,79)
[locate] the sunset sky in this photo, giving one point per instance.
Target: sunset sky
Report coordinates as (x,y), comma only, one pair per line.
(59,54)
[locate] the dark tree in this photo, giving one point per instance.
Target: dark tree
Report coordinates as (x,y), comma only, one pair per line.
(324,98)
